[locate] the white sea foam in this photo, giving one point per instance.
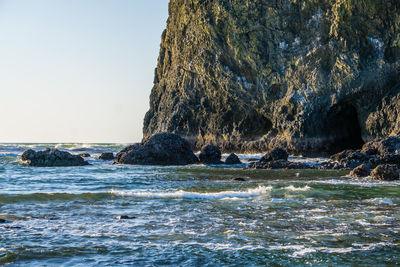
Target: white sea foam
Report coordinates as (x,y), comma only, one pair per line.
(293,188)
(261,190)
(300,250)
(358,182)
(386,201)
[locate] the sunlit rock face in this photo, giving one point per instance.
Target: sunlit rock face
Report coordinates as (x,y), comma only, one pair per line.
(311,76)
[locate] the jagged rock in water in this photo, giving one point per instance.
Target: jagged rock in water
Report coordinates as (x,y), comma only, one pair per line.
(279,164)
(107,156)
(351,159)
(51,158)
(360,171)
(210,155)
(309,76)
(232,159)
(389,145)
(160,149)
(385,172)
(275,154)
(330,166)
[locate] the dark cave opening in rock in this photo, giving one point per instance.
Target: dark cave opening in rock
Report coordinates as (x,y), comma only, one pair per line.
(343,128)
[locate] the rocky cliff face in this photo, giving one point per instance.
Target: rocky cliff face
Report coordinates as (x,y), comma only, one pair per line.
(310,75)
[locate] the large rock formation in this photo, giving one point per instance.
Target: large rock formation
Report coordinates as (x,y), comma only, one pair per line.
(310,76)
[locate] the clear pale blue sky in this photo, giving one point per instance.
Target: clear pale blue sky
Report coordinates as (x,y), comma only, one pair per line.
(77,70)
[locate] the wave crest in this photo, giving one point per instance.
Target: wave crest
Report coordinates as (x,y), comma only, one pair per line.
(260,190)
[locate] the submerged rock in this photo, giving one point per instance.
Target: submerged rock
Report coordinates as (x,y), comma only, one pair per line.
(360,171)
(239,179)
(84,155)
(232,159)
(2,220)
(107,156)
(275,154)
(210,155)
(386,172)
(124,217)
(52,158)
(160,149)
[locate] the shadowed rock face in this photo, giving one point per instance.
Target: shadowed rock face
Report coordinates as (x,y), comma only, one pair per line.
(52,158)
(309,76)
(160,149)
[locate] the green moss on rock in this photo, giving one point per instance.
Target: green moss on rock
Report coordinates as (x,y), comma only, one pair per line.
(249,75)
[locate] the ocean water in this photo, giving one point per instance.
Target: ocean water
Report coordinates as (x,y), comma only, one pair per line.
(191,216)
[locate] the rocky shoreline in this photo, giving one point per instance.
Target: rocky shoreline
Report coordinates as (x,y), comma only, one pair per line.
(379,159)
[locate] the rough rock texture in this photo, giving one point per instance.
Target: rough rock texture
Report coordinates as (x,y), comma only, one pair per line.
(107,156)
(210,155)
(385,172)
(360,171)
(279,164)
(275,154)
(310,76)
(350,159)
(51,158)
(160,149)
(232,159)
(383,146)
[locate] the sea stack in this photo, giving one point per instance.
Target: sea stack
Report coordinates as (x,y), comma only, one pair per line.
(307,76)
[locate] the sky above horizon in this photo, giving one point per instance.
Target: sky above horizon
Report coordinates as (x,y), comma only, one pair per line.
(77,70)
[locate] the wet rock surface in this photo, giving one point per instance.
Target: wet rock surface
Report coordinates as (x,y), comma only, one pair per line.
(107,156)
(232,159)
(279,164)
(210,155)
(386,172)
(160,149)
(84,155)
(51,158)
(124,217)
(275,154)
(360,171)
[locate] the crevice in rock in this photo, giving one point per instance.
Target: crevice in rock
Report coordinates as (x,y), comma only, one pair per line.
(343,128)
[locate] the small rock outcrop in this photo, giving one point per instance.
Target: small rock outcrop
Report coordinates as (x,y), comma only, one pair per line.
(279,164)
(84,155)
(210,155)
(275,154)
(232,159)
(107,156)
(385,172)
(52,158)
(160,149)
(351,159)
(360,171)
(125,217)
(239,179)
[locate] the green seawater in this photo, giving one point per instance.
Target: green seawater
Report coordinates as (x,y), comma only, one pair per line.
(191,216)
